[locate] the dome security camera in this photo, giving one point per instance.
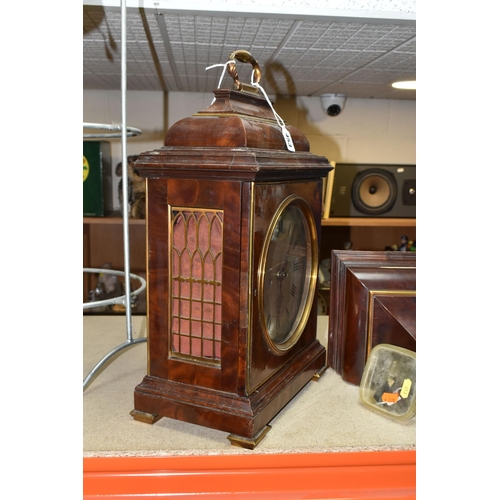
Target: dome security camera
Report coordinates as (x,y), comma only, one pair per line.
(332,104)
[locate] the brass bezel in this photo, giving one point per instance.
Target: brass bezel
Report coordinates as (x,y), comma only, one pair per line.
(311,274)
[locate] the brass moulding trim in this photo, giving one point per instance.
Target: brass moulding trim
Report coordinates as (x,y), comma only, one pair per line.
(195,359)
(312,273)
(240,115)
(398,267)
(372,296)
(249,443)
(195,284)
(251,286)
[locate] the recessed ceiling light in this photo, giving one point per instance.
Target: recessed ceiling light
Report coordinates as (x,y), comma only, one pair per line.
(412,84)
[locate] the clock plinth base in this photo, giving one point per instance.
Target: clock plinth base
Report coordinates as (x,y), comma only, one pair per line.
(245,417)
(247,443)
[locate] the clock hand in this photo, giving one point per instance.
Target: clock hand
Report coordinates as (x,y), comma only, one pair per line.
(293,241)
(281,275)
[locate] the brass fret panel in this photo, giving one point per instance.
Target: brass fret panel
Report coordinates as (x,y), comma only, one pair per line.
(196,284)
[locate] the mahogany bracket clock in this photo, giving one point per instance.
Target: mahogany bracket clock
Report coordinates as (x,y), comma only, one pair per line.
(233,224)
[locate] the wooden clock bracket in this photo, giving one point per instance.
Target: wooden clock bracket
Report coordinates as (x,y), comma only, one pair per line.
(216,193)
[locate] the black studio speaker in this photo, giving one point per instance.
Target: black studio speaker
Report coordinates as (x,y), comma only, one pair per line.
(368,190)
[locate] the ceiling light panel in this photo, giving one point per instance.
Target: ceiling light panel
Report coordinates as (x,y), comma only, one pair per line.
(302,56)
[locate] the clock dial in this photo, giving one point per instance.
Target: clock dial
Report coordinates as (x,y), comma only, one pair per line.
(286,273)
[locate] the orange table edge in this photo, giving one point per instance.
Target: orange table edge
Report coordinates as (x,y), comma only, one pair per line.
(335,475)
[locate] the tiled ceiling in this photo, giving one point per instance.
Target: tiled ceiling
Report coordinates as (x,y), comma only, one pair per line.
(298,55)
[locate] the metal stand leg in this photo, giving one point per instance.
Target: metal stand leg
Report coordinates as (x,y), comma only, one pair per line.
(116,350)
(116,300)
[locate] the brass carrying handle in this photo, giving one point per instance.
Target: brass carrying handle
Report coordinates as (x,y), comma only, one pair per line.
(244,57)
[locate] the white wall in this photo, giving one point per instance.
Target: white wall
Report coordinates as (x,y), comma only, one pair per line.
(145,110)
(367,130)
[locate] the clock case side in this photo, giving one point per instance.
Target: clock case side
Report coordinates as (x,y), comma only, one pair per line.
(264,361)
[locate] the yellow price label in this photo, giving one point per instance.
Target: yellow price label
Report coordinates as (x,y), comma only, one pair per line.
(405,390)
(86,168)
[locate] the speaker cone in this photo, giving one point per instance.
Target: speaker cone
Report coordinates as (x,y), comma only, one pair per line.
(374,191)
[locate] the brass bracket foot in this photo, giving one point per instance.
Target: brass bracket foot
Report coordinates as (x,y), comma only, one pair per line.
(249,443)
(147,418)
(318,374)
